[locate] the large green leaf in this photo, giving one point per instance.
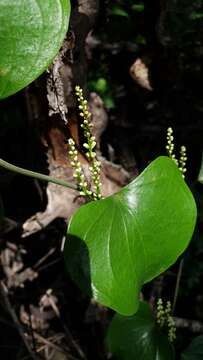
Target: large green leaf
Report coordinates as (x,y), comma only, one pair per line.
(138,337)
(194,350)
(117,244)
(31,33)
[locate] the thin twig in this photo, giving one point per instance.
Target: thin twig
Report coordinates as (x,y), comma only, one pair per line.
(44,258)
(74,344)
(4,292)
(44,267)
(51,342)
(31,330)
(47,342)
(53,339)
(36,175)
(180,269)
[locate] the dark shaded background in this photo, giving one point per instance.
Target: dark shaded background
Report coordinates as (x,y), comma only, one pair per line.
(167,35)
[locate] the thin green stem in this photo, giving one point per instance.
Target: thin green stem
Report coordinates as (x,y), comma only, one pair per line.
(36,175)
(180,269)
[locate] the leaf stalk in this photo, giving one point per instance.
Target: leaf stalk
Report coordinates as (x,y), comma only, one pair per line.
(36,175)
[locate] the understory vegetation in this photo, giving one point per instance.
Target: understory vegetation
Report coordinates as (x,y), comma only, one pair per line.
(101,180)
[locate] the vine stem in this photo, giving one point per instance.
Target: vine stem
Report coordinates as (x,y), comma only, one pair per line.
(177,286)
(36,175)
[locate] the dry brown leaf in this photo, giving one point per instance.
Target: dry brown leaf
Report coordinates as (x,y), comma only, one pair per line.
(140,73)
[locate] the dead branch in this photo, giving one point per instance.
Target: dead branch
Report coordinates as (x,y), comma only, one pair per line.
(11,311)
(193,325)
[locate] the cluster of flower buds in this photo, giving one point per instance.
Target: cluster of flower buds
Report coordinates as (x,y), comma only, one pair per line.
(89,146)
(86,125)
(181,163)
(165,319)
(78,173)
(170,322)
(160,315)
(95,174)
(170,145)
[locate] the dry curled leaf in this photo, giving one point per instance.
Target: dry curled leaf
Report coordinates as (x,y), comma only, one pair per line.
(38,318)
(140,73)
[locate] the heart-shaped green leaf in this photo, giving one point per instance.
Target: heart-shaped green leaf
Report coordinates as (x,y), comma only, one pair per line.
(138,337)
(117,244)
(31,33)
(194,350)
